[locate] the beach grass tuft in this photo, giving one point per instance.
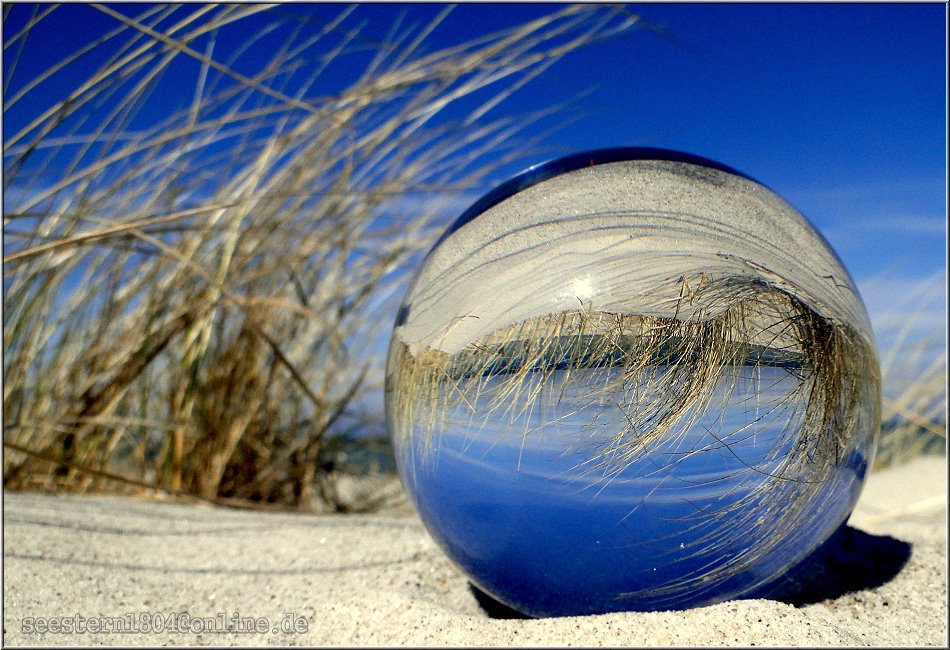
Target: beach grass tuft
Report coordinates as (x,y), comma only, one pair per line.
(192,293)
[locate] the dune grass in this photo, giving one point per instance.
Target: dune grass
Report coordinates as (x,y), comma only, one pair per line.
(192,295)
(670,370)
(914,367)
(191,292)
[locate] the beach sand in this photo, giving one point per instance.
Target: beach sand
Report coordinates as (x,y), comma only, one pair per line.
(380,580)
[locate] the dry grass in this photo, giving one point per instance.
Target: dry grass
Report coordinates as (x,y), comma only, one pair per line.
(188,297)
(914,367)
(676,366)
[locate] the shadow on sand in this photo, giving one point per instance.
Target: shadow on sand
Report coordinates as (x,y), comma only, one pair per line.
(851,560)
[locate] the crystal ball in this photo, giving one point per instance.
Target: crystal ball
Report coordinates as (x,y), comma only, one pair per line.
(631,379)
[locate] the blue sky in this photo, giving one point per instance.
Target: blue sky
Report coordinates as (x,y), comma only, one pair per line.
(841,109)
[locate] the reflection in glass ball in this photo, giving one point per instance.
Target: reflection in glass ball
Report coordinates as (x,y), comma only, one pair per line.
(631,380)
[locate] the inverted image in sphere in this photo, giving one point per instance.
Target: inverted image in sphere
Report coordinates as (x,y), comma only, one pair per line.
(631,380)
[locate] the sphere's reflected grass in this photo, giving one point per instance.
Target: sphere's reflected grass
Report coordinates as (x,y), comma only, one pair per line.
(683,449)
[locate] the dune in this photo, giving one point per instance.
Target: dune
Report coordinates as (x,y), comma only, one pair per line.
(82,570)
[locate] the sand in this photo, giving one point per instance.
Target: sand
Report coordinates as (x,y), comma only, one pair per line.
(380,580)
(627,237)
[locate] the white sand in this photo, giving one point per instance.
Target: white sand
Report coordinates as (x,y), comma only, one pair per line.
(380,580)
(611,238)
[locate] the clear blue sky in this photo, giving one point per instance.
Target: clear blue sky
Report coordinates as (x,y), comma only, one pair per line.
(841,109)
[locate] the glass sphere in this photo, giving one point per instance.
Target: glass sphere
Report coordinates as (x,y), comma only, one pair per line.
(631,379)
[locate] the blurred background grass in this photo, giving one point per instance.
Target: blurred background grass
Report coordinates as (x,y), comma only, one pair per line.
(196,299)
